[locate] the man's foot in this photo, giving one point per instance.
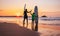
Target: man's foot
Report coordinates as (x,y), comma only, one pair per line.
(23,24)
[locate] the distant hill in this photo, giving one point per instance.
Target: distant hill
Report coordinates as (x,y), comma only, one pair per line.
(44,16)
(10,16)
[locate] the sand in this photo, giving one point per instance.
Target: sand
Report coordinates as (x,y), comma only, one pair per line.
(13,29)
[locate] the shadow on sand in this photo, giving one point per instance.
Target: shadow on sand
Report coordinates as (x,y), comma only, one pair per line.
(12,29)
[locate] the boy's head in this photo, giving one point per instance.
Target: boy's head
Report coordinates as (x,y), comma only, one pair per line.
(33,13)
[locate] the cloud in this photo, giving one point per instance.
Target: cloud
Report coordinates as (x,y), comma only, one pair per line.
(1,10)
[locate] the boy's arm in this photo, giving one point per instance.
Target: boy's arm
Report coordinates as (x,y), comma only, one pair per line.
(36,15)
(30,13)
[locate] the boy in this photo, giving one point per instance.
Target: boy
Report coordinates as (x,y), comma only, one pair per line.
(33,19)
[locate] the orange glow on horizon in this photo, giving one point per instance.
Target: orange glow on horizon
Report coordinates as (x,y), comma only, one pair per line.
(19,12)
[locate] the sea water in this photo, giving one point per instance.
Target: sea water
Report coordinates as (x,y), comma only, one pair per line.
(47,20)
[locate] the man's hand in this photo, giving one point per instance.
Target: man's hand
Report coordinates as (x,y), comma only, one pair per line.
(30,11)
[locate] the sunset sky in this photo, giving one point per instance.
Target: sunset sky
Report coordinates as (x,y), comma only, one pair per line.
(16,7)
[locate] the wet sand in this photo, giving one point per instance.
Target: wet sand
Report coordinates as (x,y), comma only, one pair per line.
(12,29)
(49,30)
(50,27)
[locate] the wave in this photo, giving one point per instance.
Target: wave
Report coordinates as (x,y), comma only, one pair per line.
(50,18)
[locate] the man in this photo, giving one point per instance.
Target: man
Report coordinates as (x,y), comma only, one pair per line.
(25,17)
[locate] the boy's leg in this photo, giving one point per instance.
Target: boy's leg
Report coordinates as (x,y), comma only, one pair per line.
(32,25)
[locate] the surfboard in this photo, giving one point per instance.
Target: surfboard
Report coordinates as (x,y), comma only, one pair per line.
(24,7)
(36,19)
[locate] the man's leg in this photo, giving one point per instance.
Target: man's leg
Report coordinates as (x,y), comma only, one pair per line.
(23,22)
(27,22)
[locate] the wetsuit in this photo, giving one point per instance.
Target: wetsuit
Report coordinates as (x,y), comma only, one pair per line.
(25,15)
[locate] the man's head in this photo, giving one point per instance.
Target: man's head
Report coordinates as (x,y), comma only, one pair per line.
(25,9)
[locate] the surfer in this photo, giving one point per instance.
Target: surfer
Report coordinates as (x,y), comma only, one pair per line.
(25,17)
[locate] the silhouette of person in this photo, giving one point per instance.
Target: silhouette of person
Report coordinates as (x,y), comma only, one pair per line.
(25,17)
(33,20)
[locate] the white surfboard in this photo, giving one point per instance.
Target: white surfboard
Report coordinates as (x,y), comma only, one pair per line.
(24,7)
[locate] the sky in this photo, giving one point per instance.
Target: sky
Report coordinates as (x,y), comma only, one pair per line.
(16,7)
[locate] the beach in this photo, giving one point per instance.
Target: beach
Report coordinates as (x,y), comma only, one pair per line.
(14,26)
(12,29)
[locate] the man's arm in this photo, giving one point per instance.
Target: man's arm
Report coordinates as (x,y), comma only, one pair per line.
(29,11)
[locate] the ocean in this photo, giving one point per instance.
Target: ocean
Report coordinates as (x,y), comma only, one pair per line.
(47,20)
